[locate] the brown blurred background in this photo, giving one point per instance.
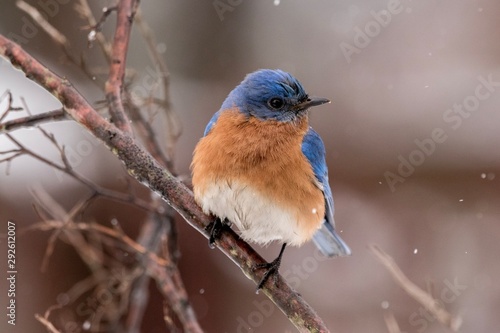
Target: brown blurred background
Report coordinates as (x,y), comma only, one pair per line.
(393,80)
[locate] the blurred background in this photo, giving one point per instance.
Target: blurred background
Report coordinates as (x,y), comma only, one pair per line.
(411,137)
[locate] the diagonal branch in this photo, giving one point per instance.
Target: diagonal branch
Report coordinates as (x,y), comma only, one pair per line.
(114,85)
(443,316)
(141,165)
(55,34)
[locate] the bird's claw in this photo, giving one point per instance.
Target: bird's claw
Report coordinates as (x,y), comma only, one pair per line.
(215,232)
(272,269)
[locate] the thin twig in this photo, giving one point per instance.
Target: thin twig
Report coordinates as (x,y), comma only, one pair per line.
(10,107)
(30,121)
(89,255)
(148,136)
(112,310)
(57,36)
(173,123)
(434,307)
(96,27)
(391,322)
(84,10)
(45,319)
(81,226)
(96,190)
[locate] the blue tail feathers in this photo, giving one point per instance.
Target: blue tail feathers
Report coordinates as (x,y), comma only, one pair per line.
(329,242)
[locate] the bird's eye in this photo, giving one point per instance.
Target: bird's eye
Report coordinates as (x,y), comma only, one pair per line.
(276,103)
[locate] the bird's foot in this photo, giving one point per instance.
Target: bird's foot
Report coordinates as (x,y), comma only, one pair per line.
(272,269)
(215,231)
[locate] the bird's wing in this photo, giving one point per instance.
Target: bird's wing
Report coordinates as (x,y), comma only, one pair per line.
(211,123)
(314,149)
(326,239)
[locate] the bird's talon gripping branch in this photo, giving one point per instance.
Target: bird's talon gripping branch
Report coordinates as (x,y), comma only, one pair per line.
(272,269)
(215,231)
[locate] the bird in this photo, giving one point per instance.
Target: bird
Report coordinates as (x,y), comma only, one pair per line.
(261,166)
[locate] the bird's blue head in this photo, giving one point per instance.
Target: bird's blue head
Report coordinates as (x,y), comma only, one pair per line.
(271,95)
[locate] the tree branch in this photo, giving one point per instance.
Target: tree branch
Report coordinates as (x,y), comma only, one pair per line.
(443,316)
(31,121)
(114,86)
(55,34)
(96,190)
(44,320)
(146,170)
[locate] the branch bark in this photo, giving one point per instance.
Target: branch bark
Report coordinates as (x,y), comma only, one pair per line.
(114,85)
(142,166)
(31,121)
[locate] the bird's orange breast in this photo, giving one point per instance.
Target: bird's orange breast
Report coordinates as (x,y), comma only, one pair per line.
(266,155)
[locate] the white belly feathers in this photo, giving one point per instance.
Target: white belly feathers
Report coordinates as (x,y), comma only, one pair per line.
(258,219)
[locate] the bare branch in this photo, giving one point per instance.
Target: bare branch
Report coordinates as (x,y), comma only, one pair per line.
(139,294)
(109,232)
(53,209)
(96,27)
(390,322)
(10,106)
(84,10)
(176,295)
(31,121)
(57,36)
(45,320)
(114,85)
(141,165)
(166,275)
(153,231)
(443,316)
(96,190)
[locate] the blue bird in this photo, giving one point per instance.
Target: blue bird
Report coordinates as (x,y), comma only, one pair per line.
(262,167)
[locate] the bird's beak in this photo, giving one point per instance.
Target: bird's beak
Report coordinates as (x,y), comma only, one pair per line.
(310,102)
